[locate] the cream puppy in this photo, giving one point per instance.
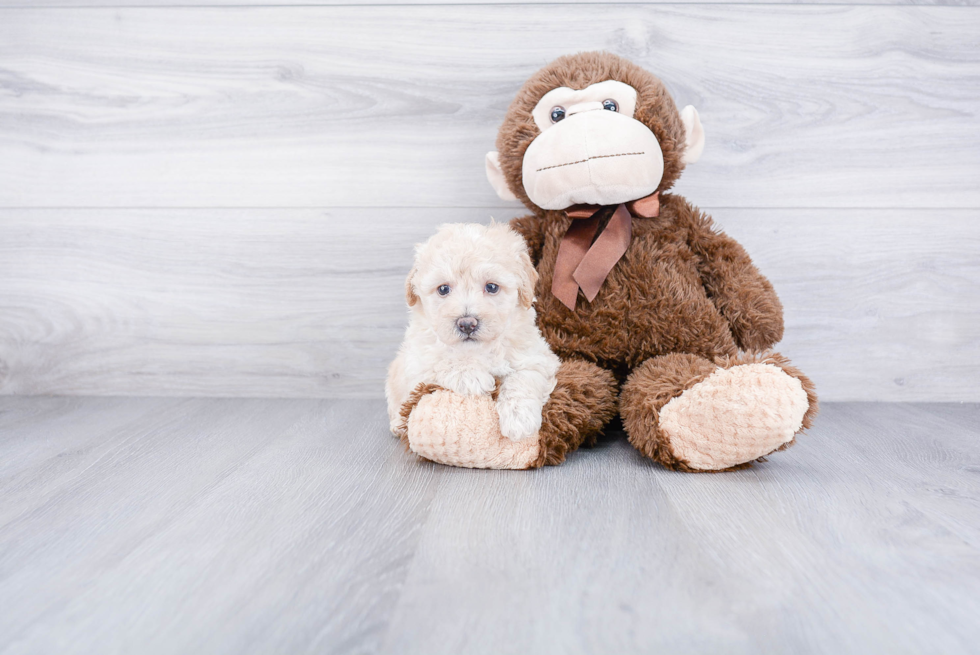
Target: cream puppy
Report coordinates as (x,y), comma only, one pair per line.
(471,323)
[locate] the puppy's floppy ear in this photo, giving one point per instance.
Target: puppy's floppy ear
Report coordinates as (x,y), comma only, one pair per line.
(528,279)
(410,296)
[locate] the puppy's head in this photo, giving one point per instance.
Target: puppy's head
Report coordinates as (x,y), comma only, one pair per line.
(471,280)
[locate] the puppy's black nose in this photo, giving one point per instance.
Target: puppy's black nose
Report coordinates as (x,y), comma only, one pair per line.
(467,324)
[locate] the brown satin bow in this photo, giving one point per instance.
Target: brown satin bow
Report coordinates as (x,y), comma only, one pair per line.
(582,263)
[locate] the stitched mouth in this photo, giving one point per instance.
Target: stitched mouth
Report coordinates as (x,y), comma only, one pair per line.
(582,161)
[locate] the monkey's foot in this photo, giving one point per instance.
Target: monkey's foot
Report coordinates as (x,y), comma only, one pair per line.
(715,417)
(456,430)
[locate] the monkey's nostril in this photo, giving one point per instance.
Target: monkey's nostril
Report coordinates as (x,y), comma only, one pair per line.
(467,324)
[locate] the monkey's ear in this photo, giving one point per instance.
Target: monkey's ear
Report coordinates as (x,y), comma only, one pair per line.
(693,135)
(496,176)
(528,279)
(410,296)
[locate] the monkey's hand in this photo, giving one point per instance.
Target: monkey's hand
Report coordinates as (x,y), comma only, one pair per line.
(741,293)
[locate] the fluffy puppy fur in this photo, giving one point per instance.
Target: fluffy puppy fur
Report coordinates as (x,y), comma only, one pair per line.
(470,273)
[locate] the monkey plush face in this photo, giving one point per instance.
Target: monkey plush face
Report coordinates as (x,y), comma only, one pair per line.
(594,129)
(591,150)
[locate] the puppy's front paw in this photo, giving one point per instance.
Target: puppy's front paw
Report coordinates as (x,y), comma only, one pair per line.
(470,383)
(519,419)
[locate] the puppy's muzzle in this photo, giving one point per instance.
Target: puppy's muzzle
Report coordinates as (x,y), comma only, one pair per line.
(467,324)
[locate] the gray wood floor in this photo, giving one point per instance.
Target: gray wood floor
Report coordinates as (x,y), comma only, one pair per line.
(254,526)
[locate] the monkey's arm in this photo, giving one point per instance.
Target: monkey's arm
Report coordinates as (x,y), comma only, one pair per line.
(532,229)
(740,292)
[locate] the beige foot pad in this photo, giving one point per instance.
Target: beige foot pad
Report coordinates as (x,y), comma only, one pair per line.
(734,416)
(464,431)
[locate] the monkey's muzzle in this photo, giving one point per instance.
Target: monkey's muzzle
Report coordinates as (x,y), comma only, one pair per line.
(594,158)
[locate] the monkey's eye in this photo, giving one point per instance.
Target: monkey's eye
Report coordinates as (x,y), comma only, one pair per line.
(492,288)
(444,290)
(557,113)
(610,104)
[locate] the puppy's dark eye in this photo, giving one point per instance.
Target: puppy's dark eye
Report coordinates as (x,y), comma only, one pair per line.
(557,113)
(492,288)
(444,290)
(610,104)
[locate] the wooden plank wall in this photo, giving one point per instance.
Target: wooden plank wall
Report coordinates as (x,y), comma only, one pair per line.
(222,200)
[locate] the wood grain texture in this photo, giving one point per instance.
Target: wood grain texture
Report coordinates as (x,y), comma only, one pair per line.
(22,4)
(209,526)
(804,106)
(301,526)
(360,128)
(880,304)
(824,549)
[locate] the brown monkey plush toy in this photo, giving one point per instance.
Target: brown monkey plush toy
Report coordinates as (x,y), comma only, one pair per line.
(653,311)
